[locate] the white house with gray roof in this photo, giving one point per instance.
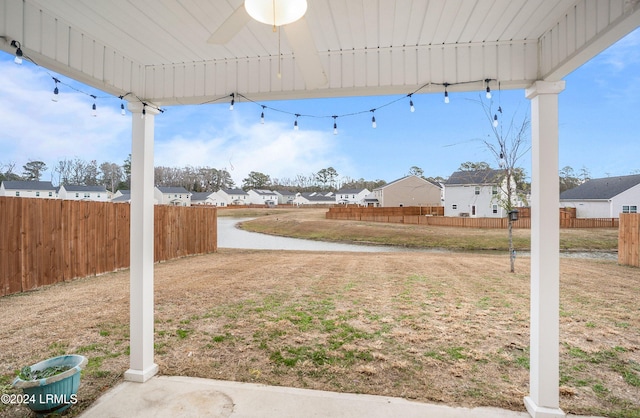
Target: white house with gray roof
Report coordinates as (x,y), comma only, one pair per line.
(285,197)
(476,194)
(352,196)
(604,197)
(175,196)
(22,188)
(263,197)
(81,192)
(305,199)
(234,197)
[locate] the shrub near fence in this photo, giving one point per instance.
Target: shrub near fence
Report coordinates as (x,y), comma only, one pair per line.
(46,241)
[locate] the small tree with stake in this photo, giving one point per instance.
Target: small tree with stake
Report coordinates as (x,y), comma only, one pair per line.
(508,145)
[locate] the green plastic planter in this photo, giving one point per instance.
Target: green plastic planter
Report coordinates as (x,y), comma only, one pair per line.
(55,393)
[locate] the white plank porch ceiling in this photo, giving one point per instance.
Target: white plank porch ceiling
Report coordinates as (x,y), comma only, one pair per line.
(158,49)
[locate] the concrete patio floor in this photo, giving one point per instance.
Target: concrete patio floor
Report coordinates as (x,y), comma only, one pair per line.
(176,396)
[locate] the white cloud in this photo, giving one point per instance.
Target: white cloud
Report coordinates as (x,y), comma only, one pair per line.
(271,148)
(36,128)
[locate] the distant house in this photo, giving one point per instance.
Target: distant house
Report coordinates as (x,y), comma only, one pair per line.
(351,196)
(285,197)
(234,197)
(406,191)
(604,198)
(121,196)
(81,192)
(304,199)
(206,199)
(21,188)
(175,196)
(263,197)
(475,194)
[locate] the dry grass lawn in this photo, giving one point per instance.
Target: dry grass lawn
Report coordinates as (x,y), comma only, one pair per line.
(450,328)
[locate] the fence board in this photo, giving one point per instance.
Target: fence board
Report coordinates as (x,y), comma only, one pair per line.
(45,241)
(629,239)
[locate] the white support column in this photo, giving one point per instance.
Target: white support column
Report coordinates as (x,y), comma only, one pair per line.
(544,398)
(142,366)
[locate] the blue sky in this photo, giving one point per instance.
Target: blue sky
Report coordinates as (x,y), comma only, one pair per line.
(599,127)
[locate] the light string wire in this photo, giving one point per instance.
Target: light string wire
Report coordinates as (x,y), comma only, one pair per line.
(350,114)
(58,81)
(264,107)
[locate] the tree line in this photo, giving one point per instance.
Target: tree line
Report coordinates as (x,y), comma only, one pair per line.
(206,179)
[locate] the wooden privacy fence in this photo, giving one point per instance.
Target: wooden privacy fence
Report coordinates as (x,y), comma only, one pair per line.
(629,239)
(46,241)
(434,215)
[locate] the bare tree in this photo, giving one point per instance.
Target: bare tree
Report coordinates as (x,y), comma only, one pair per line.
(508,145)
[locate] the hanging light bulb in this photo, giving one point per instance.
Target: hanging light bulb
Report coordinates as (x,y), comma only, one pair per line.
(18,58)
(233,101)
(411,108)
(488,95)
(374,125)
(295,123)
(335,125)
(55,95)
(144,111)
(446,93)
(262,115)
(122,112)
(94,109)
(495,121)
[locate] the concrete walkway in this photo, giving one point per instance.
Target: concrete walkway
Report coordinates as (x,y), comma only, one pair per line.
(175,396)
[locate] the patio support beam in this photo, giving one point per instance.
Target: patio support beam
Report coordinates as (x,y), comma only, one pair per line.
(142,366)
(544,398)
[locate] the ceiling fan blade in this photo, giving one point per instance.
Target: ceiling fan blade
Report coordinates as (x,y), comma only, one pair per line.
(305,53)
(230,27)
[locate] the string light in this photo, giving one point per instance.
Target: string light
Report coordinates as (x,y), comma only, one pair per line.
(495,121)
(144,111)
(488,95)
(411,108)
(262,115)
(18,58)
(335,125)
(55,90)
(295,123)
(446,93)
(122,111)
(374,125)
(233,100)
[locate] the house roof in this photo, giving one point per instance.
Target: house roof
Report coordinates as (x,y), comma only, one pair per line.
(284,193)
(164,189)
(235,191)
(317,197)
(601,189)
(404,178)
(27,185)
(83,188)
(263,192)
(477,177)
(200,196)
(350,191)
